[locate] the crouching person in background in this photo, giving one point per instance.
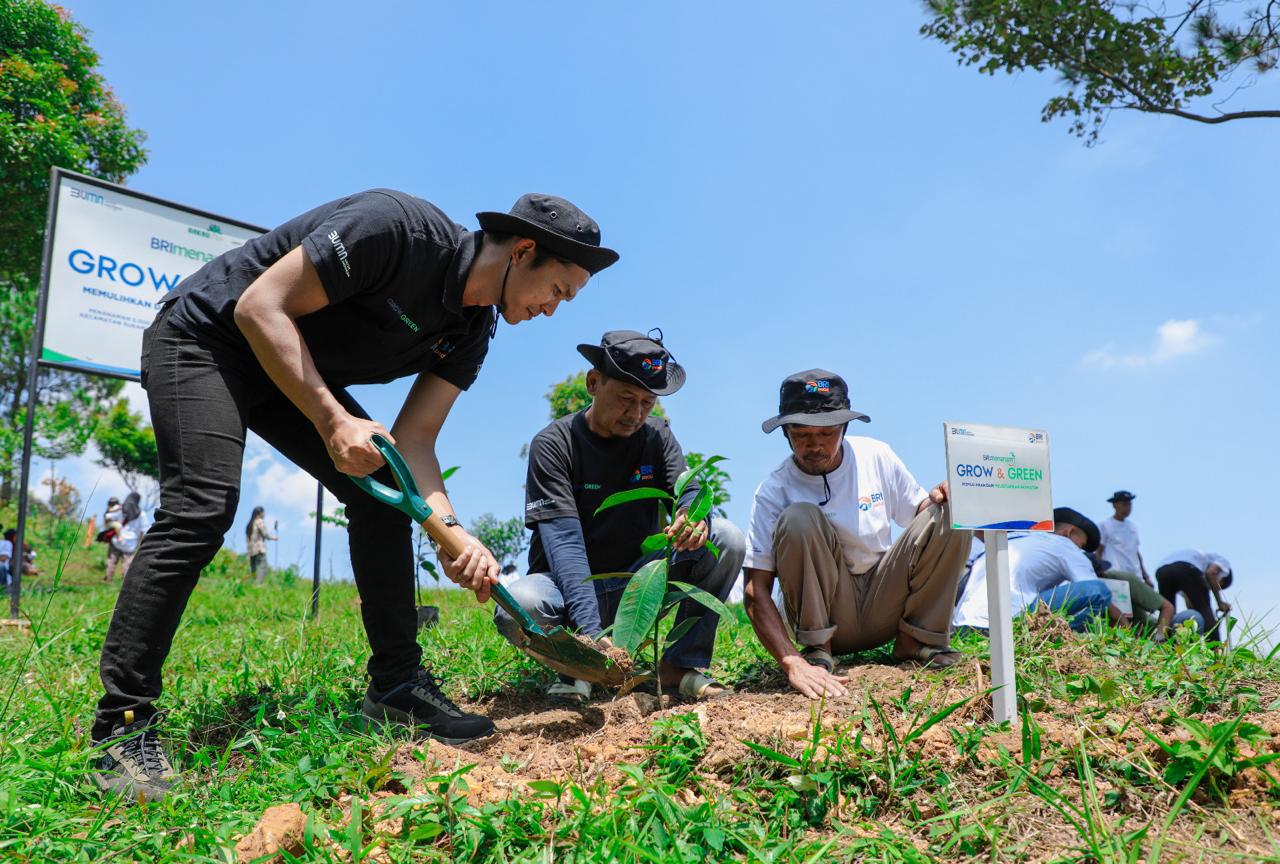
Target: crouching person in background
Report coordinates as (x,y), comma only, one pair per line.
(1045,567)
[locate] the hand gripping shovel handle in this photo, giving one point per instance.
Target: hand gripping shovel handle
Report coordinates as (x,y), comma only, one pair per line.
(409,501)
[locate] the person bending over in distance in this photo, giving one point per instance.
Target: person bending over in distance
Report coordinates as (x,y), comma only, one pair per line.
(362,290)
(1194,575)
(820,526)
(577,462)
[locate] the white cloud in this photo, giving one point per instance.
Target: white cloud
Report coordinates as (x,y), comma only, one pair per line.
(279,485)
(1174,339)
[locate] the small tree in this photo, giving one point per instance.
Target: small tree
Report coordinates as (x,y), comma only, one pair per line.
(55,109)
(506,538)
(1114,55)
(650,596)
(128,446)
(570,396)
(714,478)
(64,497)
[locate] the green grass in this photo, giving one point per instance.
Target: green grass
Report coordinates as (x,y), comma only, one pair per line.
(1109,764)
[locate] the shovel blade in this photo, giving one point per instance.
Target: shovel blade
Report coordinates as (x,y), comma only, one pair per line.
(558,649)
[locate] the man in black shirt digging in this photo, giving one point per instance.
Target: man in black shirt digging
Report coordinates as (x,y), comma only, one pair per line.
(362,290)
(574,465)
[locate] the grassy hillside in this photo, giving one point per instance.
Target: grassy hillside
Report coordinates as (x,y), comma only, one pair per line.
(1128,751)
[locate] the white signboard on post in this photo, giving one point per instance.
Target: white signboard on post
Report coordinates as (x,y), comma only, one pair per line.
(114,254)
(999,482)
(999,477)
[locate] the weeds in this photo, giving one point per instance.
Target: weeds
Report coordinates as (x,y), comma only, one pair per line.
(263,706)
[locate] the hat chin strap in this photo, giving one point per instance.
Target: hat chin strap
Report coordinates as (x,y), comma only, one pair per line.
(502,293)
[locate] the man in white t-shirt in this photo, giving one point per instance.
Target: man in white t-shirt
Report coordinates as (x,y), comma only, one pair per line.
(1120,537)
(1045,566)
(820,526)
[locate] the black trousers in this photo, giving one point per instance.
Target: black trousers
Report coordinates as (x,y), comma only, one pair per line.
(1187,578)
(200,409)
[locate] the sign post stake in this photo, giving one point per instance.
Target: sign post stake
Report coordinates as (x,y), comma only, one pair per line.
(1004,701)
(315,571)
(19,558)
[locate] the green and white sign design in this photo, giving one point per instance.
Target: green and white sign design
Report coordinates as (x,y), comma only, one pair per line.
(114,255)
(999,477)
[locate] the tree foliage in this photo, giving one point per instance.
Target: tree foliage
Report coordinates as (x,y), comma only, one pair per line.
(55,109)
(128,446)
(570,396)
(505,538)
(1160,59)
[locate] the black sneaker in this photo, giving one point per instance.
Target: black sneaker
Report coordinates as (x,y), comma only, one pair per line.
(134,763)
(421,704)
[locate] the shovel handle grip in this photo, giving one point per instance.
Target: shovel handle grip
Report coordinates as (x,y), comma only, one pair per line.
(407,499)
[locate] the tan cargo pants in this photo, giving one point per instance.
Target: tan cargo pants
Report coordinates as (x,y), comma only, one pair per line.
(911,590)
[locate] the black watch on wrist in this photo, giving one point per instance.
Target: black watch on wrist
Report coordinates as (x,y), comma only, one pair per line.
(449,520)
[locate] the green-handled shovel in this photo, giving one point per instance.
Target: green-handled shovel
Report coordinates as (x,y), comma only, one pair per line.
(557,647)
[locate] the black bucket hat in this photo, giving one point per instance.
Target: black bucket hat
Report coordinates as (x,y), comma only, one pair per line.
(1122,495)
(814,397)
(1084,523)
(636,358)
(557,226)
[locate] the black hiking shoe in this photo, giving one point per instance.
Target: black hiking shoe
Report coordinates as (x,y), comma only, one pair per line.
(421,705)
(134,763)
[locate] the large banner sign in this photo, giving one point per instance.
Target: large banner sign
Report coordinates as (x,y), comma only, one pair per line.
(114,254)
(999,477)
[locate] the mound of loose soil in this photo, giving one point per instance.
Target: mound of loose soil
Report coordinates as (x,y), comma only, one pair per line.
(540,741)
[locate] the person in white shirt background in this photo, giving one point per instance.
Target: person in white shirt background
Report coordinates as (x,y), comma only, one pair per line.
(124,544)
(1194,574)
(1045,567)
(6,555)
(820,525)
(1120,538)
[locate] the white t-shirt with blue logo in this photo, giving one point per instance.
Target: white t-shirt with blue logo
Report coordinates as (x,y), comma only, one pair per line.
(1038,561)
(870,488)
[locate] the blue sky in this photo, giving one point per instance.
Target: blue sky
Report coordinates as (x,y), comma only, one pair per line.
(790,185)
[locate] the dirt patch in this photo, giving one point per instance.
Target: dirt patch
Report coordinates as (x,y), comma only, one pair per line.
(539,740)
(280,829)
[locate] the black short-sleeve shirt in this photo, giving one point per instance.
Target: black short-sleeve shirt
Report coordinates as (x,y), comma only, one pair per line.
(572,470)
(394,268)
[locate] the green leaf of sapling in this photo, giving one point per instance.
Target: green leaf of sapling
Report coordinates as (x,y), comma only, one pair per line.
(628,495)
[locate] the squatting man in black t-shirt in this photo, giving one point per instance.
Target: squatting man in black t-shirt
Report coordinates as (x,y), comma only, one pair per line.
(362,290)
(574,465)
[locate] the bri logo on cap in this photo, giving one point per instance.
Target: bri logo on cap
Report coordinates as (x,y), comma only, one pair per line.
(651,365)
(822,386)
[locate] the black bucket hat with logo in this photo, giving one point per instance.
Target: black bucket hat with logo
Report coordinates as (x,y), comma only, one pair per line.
(1122,495)
(557,226)
(1084,523)
(814,397)
(636,358)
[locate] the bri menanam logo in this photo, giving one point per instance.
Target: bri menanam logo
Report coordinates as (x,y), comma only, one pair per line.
(652,365)
(821,386)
